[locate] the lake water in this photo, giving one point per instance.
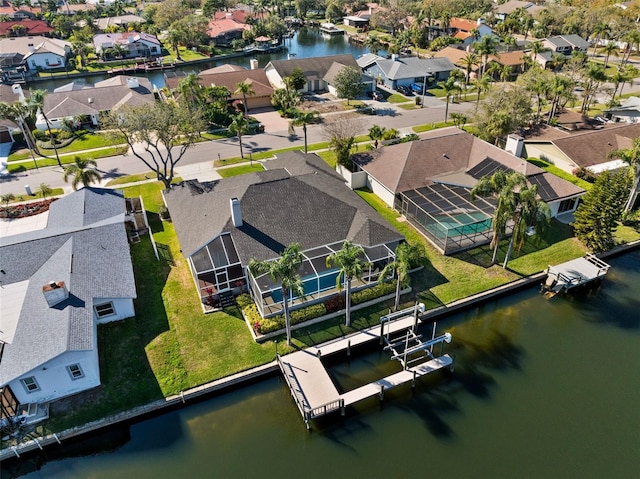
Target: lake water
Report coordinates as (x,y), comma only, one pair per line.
(306,43)
(541,389)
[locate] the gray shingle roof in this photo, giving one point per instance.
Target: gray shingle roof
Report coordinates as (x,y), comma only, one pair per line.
(90,254)
(314,68)
(301,200)
(413,67)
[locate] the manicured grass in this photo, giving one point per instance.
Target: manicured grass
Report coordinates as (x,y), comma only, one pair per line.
(240,170)
(186,55)
(122,180)
(585,185)
(54,192)
(398,98)
(87,141)
(626,234)
(66,159)
(432,126)
(329,157)
(409,106)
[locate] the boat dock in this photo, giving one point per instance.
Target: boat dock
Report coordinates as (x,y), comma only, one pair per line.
(571,274)
(316,395)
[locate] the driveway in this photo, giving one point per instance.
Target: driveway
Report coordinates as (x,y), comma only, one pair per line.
(270,118)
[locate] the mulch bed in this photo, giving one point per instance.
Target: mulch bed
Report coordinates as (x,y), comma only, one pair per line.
(24,210)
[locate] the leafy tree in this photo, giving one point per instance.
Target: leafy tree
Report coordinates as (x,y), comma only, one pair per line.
(303,118)
(44,190)
(458,119)
(399,268)
(158,134)
(297,80)
(348,83)
(209,7)
(376,133)
(503,112)
(500,186)
(239,126)
(82,172)
(174,37)
(284,270)
(597,216)
(349,260)
(341,135)
(537,81)
(286,100)
(245,89)
(631,156)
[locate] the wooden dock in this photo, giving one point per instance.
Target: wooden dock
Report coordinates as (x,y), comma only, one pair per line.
(312,388)
(571,274)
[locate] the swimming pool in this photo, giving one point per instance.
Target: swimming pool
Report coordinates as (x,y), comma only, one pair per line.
(312,285)
(460,224)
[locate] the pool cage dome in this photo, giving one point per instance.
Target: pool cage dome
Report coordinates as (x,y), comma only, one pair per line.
(319,281)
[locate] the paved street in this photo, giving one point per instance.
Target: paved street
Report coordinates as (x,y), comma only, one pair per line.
(203,154)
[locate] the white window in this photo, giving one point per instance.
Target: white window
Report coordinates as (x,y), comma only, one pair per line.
(105,309)
(30,384)
(75,371)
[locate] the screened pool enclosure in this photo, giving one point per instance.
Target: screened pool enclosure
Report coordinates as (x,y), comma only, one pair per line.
(446,215)
(318,280)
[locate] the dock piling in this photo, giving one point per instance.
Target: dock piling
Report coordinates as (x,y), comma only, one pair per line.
(348,348)
(381,392)
(56,438)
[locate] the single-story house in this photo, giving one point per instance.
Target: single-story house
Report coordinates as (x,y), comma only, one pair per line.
(368,82)
(256,78)
(40,53)
(429,182)
(566,44)
(224,30)
(584,149)
(26,28)
(463,29)
(120,21)
(222,225)
(22,12)
(314,70)
(356,21)
(403,71)
(58,284)
(103,97)
(501,11)
(515,60)
(136,44)
(627,112)
(455,56)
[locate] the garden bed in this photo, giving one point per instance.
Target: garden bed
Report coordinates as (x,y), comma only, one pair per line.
(26,209)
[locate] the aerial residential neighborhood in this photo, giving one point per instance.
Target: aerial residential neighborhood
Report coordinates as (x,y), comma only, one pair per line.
(428,205)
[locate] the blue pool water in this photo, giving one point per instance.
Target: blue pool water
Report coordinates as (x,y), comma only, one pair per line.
(310,285)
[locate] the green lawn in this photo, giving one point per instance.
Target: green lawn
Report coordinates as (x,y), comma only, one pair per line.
(398,98)
(25,197)
(432,126)
(123,180)
(585,185)
(240,170)
(87,141)
(66,159)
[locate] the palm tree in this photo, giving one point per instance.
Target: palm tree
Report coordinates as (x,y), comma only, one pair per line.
(284,270)
(376,133)
(528,210)
(487,45)
(303,118)
(239,126)
(482,84)
(631,38)
(631,156)
(372,43)
(626,74)
(349,260)
(399,268)
(609,48)
(244,89)
(44,190)
(82,171)
(174,37)
(458,119)
(17,112)
(500,186)
(601,30)
(469,61)
(560,86)
(450,87)
(595,74)
(119,52)
(191,91)
(37,103)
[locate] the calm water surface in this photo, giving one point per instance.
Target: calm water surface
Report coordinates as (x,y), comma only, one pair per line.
(541,389)
(306,43)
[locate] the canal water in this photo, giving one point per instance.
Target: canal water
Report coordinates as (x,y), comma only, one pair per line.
(306,43)
(541,389)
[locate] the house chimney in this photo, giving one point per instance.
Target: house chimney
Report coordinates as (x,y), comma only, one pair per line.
(480,21)
(514,145)
(132,82)
(55,292)
(254,63)
(394,57)
(236,212)
(90,100)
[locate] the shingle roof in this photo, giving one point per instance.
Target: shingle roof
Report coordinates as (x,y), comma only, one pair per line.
(314,68)
(33,27)
(256,78)
(448,155)
(413,67)
(299,199)
(25,45)
(89,253)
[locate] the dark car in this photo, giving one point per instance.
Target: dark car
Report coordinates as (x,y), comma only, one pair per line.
(405,91)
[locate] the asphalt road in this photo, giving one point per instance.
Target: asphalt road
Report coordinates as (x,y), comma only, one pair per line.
(388,115)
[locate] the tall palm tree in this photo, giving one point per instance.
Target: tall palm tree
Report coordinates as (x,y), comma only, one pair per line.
(450,87)
(174,37)
(18,112)
(469,61)
(352,266)
(284,270)
(487,45)
(528,210)
(399,268)
(244,89)
(631,38)
(595,75)
(609,49)
(601,30)
(631,156)
(239,126)
(191,91)
(560,87)
(36,101)
(83,172)
(482,84)
(303,118)
(372,43)
(501,186)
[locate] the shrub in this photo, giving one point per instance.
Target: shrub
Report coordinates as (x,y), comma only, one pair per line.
(376,291)
(586,175)
(39,134)
(244,300)
(163,212)
(334,303)
(310,312)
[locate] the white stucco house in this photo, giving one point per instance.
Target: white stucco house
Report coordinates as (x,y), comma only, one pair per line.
(627,112)
(40,53)
(58,284)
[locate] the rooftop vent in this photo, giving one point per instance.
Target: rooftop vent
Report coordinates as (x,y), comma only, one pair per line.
(55,292)
(236,212)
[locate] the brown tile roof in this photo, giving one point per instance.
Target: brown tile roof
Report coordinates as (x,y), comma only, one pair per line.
(509,58)
(33,27)
(257,78)
(451,153)
(455,56)
(462,24)
(592,147)
(220,27)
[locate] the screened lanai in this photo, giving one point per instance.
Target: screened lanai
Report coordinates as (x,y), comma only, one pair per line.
(216,267)
(318,280)
(446,215)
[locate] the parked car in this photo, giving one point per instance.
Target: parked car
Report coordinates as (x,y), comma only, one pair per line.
(405,91)
(417,87)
